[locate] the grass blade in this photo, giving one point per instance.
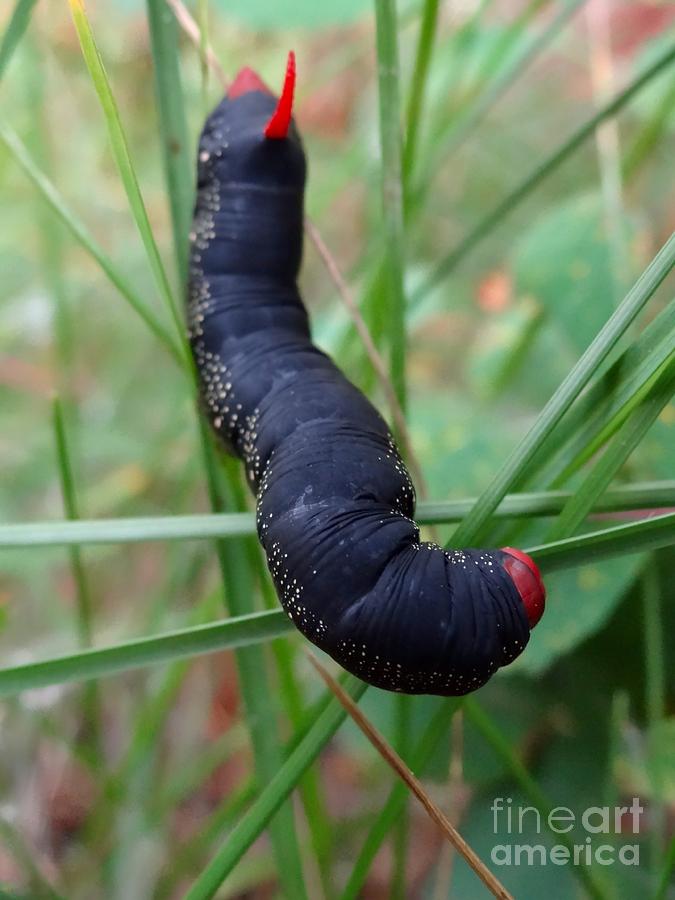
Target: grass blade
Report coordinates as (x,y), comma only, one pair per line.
(135,654)
(611,399)
(415,107)
(173,127)
(525,188)
(15,30)
(637,537)
(519,460)
(624,442)
(653,629)
(666,872)
(120,151)
(82,235)
(392,187)
(517,66)
(70,503)
(649,137)
(92,738)
(254,821)
(237,567)
(255,628)
(642,495)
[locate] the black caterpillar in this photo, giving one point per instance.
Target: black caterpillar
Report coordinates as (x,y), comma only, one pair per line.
(334,499)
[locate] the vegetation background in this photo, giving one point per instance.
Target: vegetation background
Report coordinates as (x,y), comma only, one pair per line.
(511,232)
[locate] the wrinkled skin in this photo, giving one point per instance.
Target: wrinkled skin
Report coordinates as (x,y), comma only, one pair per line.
(335,503)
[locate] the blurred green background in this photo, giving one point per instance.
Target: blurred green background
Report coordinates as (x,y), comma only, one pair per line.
(487,347)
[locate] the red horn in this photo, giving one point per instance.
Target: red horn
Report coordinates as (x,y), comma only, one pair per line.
(278,125)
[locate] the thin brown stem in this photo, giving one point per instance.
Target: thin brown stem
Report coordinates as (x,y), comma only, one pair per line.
(414,785)
(191,28)
(378,364)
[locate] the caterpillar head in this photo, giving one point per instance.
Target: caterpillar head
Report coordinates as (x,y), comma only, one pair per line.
(525,575)
(250,138)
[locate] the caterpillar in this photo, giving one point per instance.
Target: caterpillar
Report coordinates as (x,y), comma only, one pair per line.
(334,501)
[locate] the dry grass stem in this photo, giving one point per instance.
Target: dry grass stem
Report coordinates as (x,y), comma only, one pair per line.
(394,760)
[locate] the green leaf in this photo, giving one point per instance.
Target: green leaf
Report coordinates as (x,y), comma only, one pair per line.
(636,771)
(564,262)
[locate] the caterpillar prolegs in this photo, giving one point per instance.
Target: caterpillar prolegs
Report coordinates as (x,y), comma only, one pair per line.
(335,503)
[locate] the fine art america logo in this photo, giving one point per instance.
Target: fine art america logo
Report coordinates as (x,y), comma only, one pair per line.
(512,820)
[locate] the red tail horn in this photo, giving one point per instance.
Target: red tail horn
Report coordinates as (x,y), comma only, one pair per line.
(278,125)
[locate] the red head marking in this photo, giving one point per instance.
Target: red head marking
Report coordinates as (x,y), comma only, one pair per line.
(278,125)
(525,575)
(246,80)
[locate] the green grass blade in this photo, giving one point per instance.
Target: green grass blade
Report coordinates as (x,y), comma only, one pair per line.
(525,188)
(606,406)
(173,127)
(605,397)
(122,157)
(15,30)
(255,628)
(392,187)
(254,821)
(227,634)
(123,531)
(654,629)
(82,235)
(237,565)
(642,495)
(91,700)
(654,632)
(519,460)
(622,445)
(24,857)
(84,615)
(649,137)
(415,107)
(203,22)
(192,853)
(637,537)
(666,872)
(514,68)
